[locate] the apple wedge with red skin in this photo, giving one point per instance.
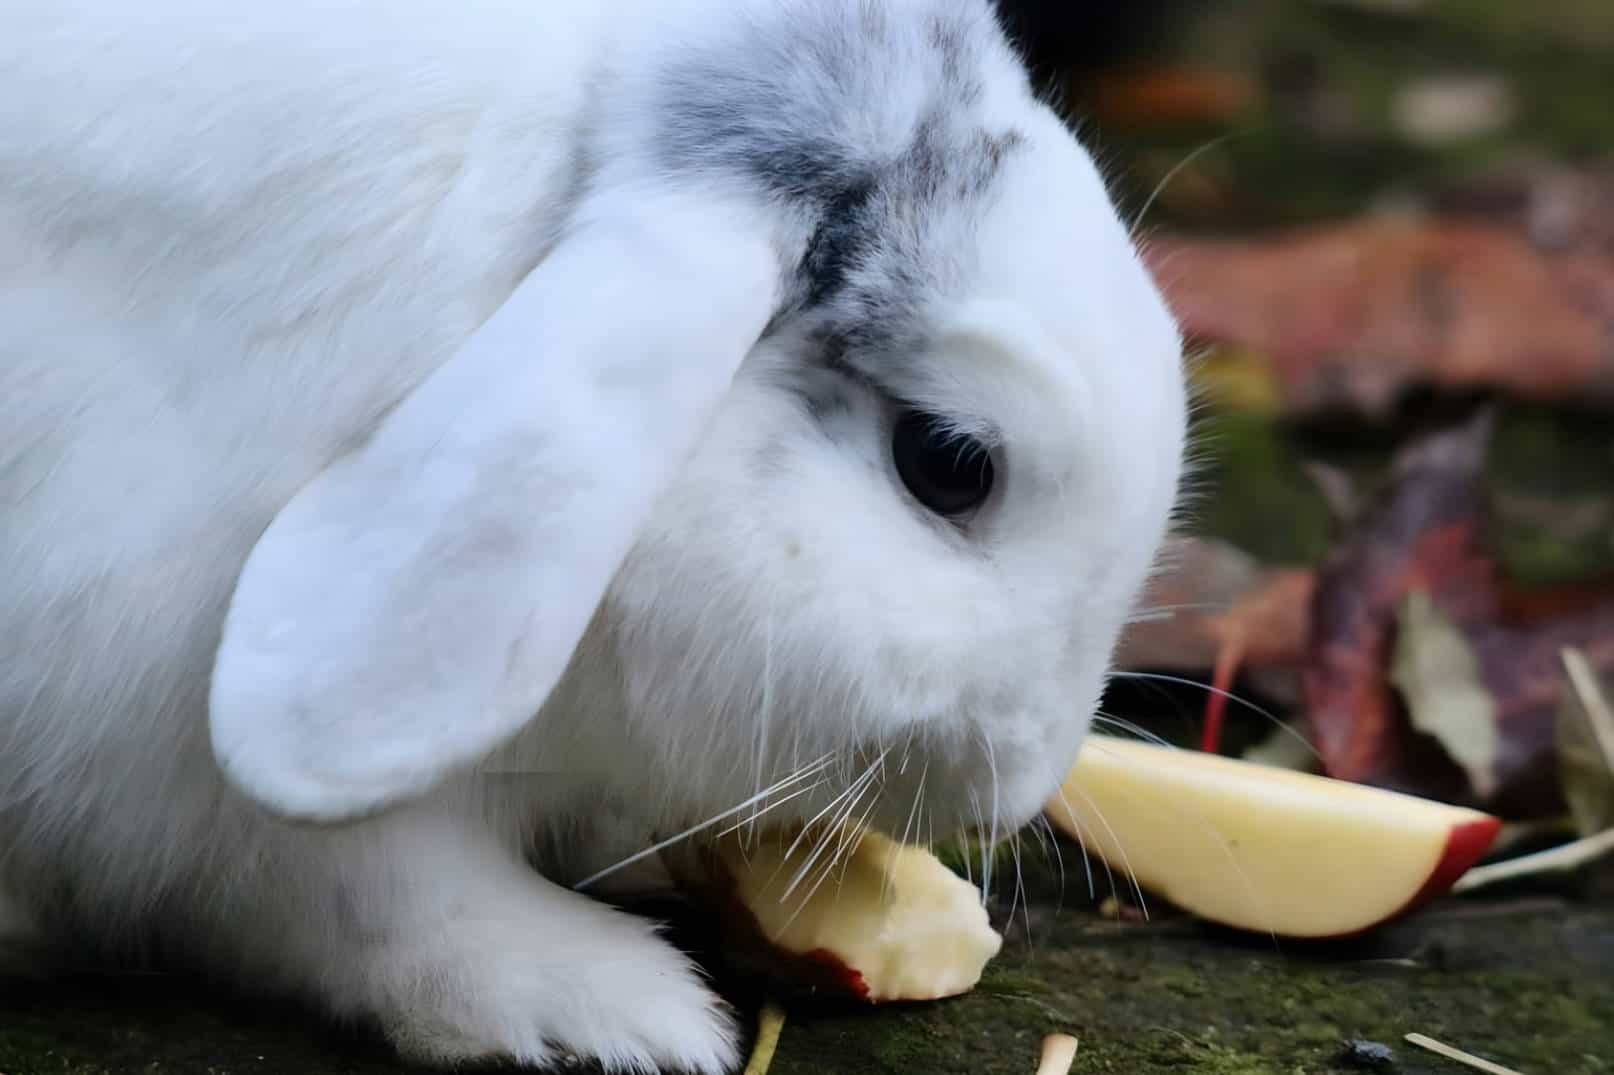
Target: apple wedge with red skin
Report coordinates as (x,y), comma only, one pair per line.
(1260,848)
(889,922)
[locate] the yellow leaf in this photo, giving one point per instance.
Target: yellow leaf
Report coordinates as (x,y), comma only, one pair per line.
(1238,380)
(1585,741)
(1439,678)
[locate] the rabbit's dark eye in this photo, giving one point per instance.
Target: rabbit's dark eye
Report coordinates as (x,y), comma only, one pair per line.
(947,472)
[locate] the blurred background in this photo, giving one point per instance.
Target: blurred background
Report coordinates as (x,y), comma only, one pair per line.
(1388,229)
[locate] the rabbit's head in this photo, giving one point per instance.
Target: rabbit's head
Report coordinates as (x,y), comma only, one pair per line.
(903,537)
(923,514)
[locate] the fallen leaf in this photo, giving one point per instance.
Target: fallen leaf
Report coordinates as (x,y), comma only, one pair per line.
(1550,205)
(1436,111)
(1270,622)
(1354,315)
(1523,671)
(1439,678)
(1209,595)
(1156,96)
(1199,579)
(1234,379)
(1422,533)
(1585,744)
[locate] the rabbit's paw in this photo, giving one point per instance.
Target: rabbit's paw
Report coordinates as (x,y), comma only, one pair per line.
(588,983)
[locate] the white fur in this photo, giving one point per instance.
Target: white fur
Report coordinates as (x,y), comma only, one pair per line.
(372,367)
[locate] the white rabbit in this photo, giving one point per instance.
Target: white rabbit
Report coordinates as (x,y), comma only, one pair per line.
(427,426)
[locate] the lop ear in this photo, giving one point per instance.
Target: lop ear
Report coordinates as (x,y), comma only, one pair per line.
(412,607)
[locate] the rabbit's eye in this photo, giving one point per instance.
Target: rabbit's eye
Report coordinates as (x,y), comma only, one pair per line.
(947,472)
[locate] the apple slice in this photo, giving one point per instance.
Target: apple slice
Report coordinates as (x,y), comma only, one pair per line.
(890,923)
(1261,848)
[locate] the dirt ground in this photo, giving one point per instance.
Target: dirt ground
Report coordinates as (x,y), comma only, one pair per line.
(1521,978)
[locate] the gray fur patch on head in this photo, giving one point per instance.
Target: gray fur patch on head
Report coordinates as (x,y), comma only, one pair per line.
(862,119)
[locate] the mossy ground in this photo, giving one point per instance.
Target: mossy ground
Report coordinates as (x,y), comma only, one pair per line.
(1525,980)
(1179,998)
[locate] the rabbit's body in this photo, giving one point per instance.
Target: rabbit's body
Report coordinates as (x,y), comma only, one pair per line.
(233,243)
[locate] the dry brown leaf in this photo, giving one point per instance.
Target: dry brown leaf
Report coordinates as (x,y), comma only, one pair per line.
(1355,314)
(1425,534)
(1421,534)
(1140,97)
(1211,595)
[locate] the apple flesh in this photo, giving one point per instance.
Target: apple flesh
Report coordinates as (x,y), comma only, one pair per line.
(890,922)
(1260,848)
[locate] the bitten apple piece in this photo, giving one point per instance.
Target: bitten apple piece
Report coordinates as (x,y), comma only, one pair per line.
(889,922)
(1261,848)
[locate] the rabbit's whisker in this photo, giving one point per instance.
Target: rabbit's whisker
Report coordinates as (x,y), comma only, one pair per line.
(751,822)
(831,831)
(980,830)
(1145,734)
(1043,829)
(1020,892)
(765,707)
(1183,681)
(1172,173)
(1126,860)
(794,778)
(1087,858)
(992,837)
(829,863)
(829,807)
(852,835)
(908,826)
(1155,613)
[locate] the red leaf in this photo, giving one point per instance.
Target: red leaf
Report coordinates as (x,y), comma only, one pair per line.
(1421,535)
(1354,315)
(1425,534)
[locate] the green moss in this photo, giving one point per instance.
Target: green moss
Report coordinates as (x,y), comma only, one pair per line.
(1550,500)
(1278,166)
(1169,997)
(1550,494)
(1252,476)
(1006,983)
(1526,987)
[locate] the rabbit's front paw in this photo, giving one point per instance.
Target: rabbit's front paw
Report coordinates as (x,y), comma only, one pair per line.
(588,983)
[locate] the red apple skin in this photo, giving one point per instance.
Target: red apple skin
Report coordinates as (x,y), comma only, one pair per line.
(1465,844)
(817,971)
(823,969)
(1464,847)
(876,952)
